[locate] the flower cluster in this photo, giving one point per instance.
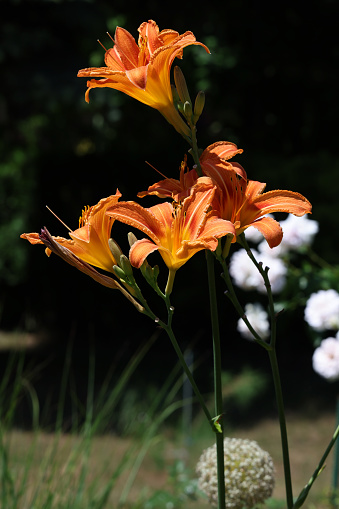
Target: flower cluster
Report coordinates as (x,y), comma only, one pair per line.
(213,200)
(249,474)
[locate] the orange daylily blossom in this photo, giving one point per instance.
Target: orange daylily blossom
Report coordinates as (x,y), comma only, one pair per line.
(244,203)
(90,241)
(142,70)
(88,245)
(178,230)
(237,199)
(59,249)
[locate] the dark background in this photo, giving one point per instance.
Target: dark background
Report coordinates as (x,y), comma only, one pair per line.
(271,86)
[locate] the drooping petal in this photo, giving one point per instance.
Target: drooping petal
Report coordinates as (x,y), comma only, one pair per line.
(140,250)
(271,230)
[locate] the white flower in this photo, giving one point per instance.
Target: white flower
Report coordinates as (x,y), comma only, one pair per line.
(322,310)
(249,474)
(258,318)
(298,232)
(246,275)
(326,358)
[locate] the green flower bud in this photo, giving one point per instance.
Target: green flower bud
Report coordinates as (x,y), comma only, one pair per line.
(119,272)
(115,250)
(198,106)
(126,266)
(181,85)
(131,239)
(188,110)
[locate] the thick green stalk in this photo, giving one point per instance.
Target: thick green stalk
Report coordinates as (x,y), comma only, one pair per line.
(271,350)
(217,380)
(283,429)
(335,472)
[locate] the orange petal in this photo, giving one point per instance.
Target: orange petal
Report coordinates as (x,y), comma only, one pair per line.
(133,214)
(271,230)
(140,250)
(216,227)
(283,201)
(126,48)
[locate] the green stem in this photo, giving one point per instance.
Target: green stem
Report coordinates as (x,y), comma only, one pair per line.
(271,350)
(217,380)
(335,472)
(283,429)
(303,495)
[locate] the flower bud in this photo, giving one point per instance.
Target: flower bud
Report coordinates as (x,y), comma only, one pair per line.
(198,106)
(188,110)
(181,85)
(115,250)
(131,239)
(126,265)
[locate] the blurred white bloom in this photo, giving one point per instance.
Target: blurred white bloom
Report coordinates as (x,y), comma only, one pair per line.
(249,474)
(322,310)
(247,276)
(258,318)
(326,358)
(298,232)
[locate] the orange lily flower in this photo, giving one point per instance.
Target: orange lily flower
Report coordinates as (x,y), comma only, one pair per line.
(90,241)
(177,231)
(244,203)
(237,199)
(142,70)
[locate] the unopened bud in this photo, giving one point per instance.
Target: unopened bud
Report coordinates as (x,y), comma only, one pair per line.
(119,272)
(181,85)
(131,239)
(198,106)
(125,264)
(115,250)
(188,109)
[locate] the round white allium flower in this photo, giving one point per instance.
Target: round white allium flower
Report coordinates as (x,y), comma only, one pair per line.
(322,310)
(249,474)
(246,275)
(258,318)
(325,359)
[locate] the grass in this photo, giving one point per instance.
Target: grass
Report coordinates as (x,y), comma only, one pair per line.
(152,467)
(308,438)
